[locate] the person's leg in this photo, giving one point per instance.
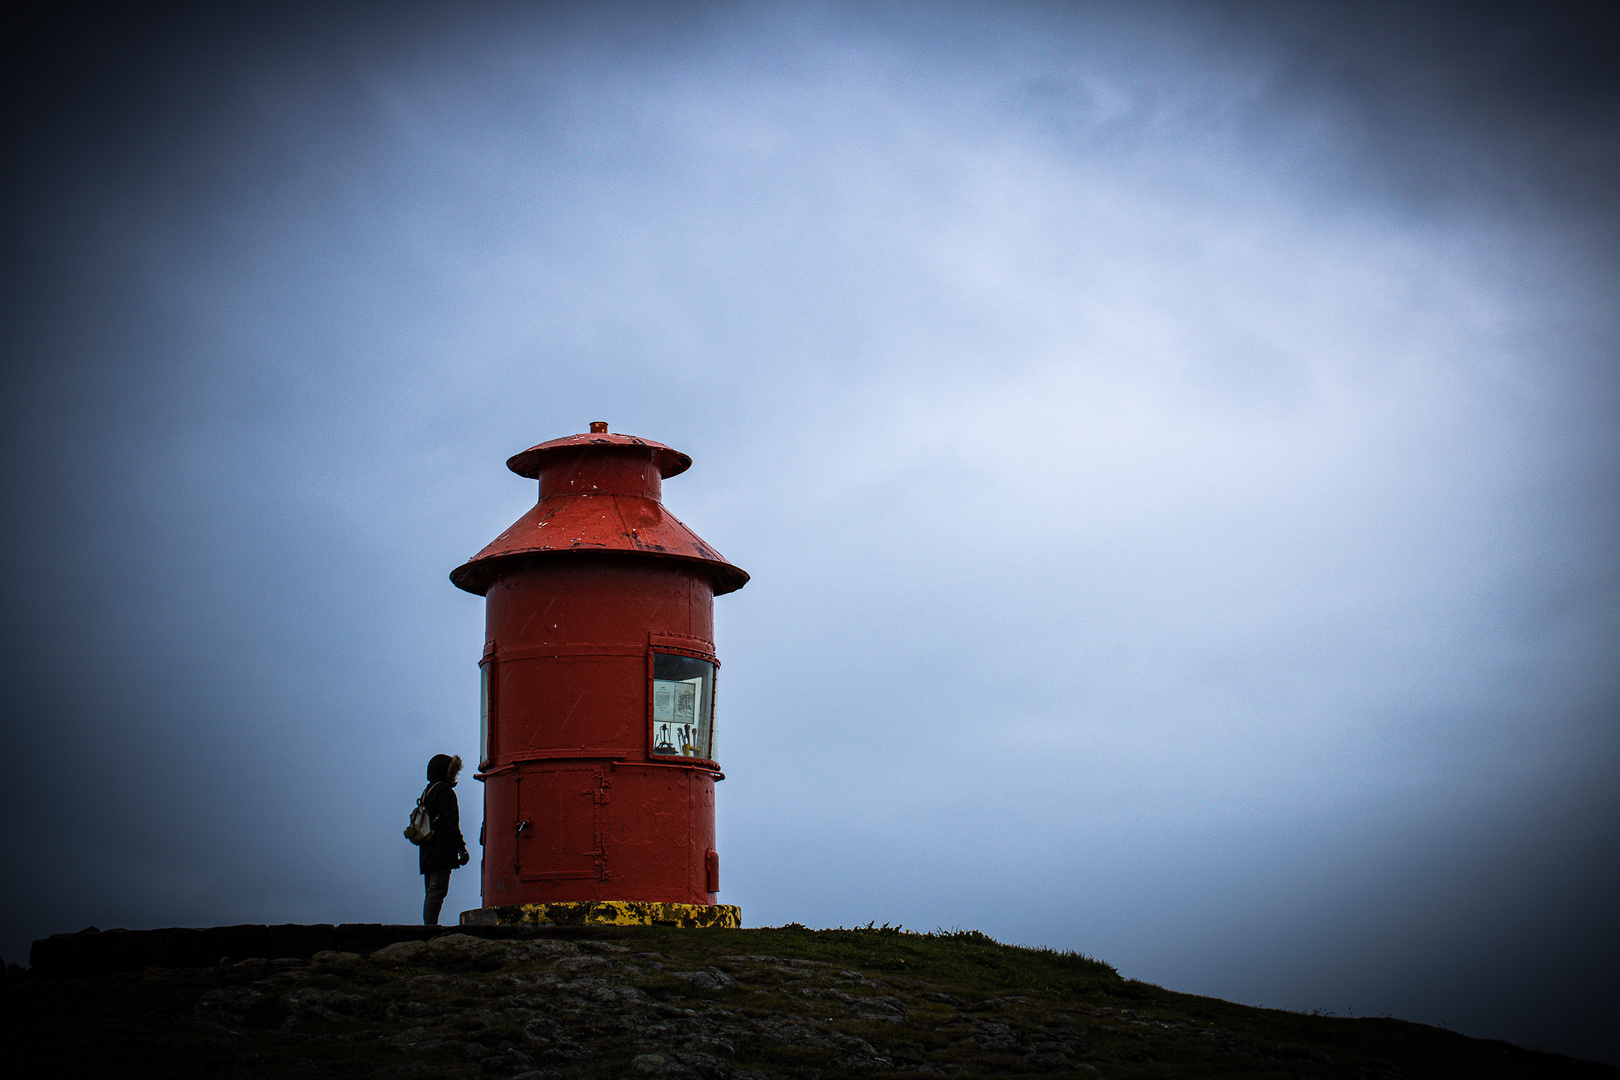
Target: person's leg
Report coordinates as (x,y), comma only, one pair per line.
(438,886)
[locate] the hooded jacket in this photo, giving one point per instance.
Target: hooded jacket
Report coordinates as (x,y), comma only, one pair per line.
(442,848)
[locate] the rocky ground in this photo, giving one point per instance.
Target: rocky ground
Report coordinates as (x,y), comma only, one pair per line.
(651,1002)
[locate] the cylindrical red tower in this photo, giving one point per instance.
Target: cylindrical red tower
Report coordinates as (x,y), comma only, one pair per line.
(597,746)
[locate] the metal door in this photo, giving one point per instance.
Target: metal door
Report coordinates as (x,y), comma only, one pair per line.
(560,823)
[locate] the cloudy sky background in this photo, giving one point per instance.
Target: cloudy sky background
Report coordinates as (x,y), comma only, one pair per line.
(1174,445)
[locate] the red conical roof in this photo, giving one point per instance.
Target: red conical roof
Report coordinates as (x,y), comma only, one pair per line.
(598,492)
(531,461)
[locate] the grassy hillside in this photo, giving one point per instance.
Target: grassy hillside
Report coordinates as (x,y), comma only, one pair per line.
(659,1002)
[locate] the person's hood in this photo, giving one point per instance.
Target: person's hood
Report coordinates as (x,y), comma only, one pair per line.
(444,767)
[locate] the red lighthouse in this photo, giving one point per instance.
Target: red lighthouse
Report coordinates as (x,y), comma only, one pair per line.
(597,745)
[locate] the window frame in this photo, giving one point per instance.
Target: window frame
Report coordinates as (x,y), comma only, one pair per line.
(694,652)
(489,697)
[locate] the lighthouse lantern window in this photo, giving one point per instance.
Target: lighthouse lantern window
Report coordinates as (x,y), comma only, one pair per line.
(483,713)
(682,706)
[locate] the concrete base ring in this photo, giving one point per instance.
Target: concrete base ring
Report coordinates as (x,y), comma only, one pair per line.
(606,913)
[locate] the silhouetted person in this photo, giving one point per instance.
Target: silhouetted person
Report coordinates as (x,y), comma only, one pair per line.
(445,849)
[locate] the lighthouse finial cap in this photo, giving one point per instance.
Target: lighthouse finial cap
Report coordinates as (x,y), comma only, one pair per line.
(598,427)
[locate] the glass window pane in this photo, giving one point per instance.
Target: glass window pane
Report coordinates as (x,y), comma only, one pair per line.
(683,706)
(483,714)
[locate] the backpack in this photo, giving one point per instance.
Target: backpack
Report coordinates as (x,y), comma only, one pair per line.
(420,830)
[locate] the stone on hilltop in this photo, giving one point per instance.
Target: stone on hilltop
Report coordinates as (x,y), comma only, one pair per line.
(459,951)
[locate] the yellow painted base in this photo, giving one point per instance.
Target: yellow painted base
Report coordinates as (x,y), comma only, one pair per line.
(606,913)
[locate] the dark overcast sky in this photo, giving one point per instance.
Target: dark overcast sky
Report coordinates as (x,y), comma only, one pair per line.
(1174,445)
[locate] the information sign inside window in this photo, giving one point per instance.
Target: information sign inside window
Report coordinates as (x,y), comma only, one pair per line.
(683,706)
